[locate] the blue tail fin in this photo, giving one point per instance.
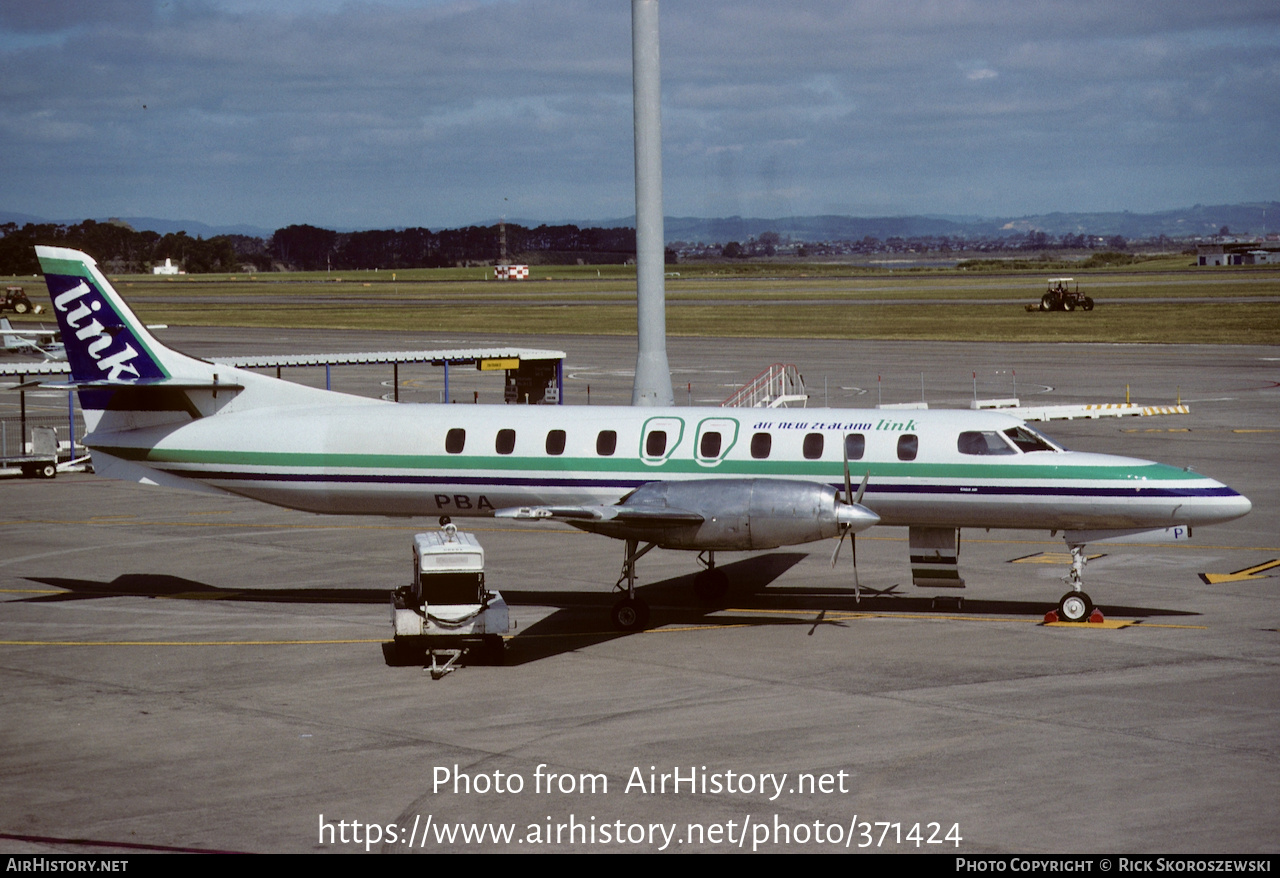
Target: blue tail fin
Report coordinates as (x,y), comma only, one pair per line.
(105,341)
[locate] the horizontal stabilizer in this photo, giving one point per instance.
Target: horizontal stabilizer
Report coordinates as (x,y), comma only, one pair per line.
(167,383)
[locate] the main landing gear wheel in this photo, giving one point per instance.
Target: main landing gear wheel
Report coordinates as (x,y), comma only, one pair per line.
(630,614)
(711,585)
(1075,606)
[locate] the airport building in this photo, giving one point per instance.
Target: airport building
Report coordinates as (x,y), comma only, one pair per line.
(1238,253)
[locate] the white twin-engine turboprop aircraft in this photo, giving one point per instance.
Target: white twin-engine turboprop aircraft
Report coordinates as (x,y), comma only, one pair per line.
(705,479)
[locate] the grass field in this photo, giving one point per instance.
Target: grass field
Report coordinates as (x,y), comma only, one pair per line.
(778,300)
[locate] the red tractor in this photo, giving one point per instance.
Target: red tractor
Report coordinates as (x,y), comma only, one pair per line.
(1062,296)
(15,300)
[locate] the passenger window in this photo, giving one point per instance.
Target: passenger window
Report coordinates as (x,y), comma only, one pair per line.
(908,446)
(555,442)
(506,442)
(606,442)
(813,446)
(710,445)
(982,442)
(454,440)
(656,443)
(855,445)
(761,445)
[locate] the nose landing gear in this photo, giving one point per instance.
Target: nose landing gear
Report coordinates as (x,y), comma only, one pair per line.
(1075,605)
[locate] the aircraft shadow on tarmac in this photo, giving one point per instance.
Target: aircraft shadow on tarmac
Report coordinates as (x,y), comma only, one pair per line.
(581,618)
(160,585)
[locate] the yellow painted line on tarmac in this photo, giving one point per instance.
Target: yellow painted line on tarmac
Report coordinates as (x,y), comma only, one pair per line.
(1123,623)
(188,642)
(1110,624)
(32,591)
(680,629)
(844,615)
(1050,558)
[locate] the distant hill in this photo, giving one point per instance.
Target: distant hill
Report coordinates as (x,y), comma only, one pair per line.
(1199,220)
(193,228)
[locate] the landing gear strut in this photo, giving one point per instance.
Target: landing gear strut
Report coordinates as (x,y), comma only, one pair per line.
(710,584)
(631,613)
(1075,605)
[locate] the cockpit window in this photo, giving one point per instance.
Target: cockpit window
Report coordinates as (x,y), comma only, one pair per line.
(983,442)
(1029,440)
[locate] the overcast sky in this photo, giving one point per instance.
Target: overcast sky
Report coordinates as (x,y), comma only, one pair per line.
(442,113)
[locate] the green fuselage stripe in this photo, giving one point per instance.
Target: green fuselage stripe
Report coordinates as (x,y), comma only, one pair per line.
(985,472)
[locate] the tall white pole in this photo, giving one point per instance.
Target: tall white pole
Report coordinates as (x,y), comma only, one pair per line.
(653,374)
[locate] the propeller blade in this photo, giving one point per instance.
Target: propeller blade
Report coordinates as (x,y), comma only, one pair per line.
(862,489)
(857,589)
(840,542)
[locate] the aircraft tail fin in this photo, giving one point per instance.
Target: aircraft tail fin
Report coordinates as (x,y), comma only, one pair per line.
(105,340)
(11,341)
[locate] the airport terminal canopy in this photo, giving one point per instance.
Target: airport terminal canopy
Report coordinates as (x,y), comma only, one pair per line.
(531,374)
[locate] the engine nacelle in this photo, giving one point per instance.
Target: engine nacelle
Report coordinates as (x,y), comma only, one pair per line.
(741,514)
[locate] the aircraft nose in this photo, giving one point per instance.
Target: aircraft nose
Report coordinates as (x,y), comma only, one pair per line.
(1238,506)
(1223,504)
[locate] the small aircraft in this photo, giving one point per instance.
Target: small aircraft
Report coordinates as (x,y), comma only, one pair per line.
(44,342)
(700,479)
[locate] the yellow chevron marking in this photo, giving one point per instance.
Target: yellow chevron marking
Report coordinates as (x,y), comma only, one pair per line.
(1248,573)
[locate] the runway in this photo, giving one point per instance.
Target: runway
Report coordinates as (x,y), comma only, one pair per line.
(188,671)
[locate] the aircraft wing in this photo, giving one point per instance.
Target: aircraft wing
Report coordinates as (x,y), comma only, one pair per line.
(635,515)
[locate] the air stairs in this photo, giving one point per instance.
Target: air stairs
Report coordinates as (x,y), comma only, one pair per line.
(778,386)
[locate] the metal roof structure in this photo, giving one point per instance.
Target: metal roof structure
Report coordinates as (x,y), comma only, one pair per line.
(35,367)
(455,357)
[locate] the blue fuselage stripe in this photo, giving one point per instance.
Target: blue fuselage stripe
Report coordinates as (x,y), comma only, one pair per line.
(627,484)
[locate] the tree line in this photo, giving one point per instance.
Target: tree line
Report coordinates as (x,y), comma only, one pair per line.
(119,248)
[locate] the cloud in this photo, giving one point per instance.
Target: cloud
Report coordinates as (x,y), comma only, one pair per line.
(432,113)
